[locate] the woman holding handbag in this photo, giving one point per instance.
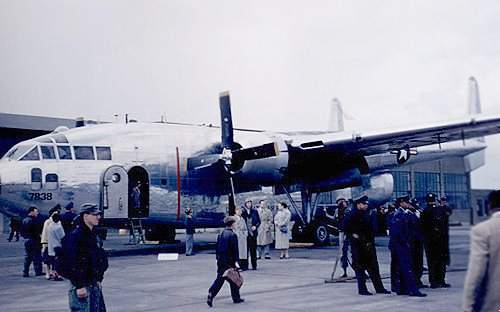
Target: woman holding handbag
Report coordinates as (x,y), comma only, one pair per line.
(282,228)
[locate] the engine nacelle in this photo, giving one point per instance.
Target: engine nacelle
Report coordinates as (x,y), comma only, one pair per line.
(378,187)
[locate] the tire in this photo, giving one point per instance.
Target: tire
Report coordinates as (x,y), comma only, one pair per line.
(320,234)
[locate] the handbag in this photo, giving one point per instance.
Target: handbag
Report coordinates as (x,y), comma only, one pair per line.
(284,228)
(233,276)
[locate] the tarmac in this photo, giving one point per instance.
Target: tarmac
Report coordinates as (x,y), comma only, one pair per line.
(137,281)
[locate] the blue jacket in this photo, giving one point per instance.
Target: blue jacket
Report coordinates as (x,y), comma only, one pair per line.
(227,250)
(399,231)
(255,220)
(84,257)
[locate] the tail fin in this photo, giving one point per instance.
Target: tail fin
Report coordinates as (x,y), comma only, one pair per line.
(336,122)
(474,102)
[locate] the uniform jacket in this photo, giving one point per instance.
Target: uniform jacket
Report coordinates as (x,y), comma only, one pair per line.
(67,221)
(31,229)
(399,229)
(227,250)
(252,219)
(265,236)
(85,257)
(482,282)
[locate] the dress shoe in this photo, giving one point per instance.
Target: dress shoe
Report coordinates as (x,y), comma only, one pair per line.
(258,258)
(268,257)
(383,291)
(210,300)
(240,300)
(417,294)
(26,275)
(445,285)
(365,293)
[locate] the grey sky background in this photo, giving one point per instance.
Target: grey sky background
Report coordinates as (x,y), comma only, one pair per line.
(390,63)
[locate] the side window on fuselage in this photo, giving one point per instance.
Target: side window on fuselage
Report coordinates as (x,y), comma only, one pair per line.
(32,155)
(84,152)
(64,152)
(103,153)
(36,179)
(48,152)
(51,181)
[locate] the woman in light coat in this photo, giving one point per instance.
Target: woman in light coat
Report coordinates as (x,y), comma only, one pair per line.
(264,236)
(241,231)
(282,228)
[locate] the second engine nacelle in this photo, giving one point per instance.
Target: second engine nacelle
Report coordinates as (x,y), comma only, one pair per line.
(378,187)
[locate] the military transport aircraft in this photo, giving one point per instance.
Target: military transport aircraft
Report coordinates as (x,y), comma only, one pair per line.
(151,170)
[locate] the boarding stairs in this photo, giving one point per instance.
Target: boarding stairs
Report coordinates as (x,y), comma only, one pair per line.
(136,231)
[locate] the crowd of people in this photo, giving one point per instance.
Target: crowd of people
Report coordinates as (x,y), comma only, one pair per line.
(412,229)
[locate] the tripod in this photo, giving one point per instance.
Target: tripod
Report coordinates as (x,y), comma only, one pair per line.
(340,253)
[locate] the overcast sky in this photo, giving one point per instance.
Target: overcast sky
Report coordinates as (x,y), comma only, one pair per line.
(389,62)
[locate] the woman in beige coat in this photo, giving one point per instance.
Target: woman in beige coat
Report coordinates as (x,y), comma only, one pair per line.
(241,232)
(264,236)
(282,226)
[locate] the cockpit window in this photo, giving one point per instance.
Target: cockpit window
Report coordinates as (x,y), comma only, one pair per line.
(32,155)
(17,151)
(48,152)
(64,152)
(84,152)
(103,153)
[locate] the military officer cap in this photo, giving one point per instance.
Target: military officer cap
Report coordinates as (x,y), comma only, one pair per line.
(431,197)
(361,199)
(340,199)
(414,202)
(89,208)
(443,198)
(403,199)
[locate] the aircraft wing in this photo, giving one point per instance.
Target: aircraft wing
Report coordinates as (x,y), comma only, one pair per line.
(403,139)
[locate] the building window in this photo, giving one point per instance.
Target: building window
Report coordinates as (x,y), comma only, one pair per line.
(48,152)
(103,153)
(426,182)
(401,183)
(456,190)
(64,152)
(84,152)
(32,155)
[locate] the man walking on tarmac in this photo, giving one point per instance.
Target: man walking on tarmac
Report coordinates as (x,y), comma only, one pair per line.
(31,230)
(361,233)
(85,263)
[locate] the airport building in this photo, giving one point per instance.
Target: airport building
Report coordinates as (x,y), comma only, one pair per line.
(449,177)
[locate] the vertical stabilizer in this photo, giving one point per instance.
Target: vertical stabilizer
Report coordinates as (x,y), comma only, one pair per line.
(474,102)
(336,122)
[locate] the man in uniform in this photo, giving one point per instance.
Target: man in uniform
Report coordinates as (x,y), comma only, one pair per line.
(435,227)
(68,218)
(31,230)
(417,242)
(361,234)
(342,209)
(252,219)
(402,276)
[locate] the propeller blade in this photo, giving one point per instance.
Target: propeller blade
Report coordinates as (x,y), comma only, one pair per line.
(226,121)
(230,197)
(257,152)
(199,162)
